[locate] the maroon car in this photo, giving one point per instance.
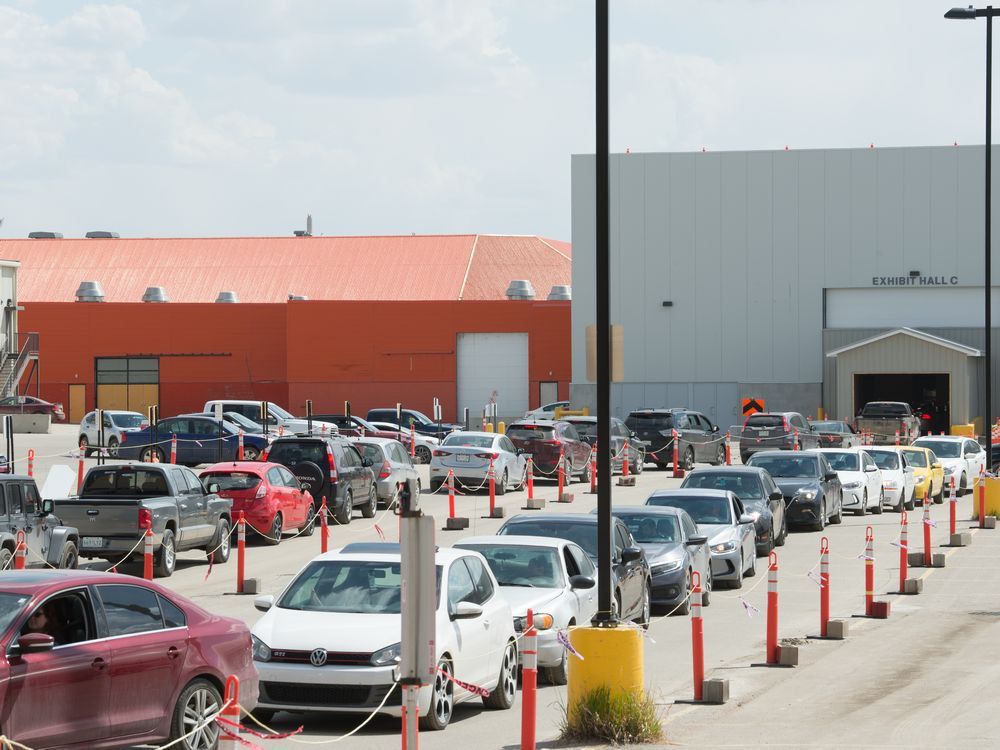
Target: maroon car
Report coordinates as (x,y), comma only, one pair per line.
(32,405)
(99,660)
(544,439)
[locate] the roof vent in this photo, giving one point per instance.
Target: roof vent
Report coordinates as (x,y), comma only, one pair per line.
(102,235)
(155,294)
(520,289)
(296,297)
(90,291)
(561,291)
(308,231)
(227,297)
(45,235)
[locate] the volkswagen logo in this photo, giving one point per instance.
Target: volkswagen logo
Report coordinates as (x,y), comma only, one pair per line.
(318,657)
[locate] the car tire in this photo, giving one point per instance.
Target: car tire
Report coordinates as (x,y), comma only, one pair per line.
(877,510)
(165,560)
(6,558)
(310,525)
(645,613)
(221,544)
(688,461)
(436,484)
(113,447)
(369,508)
(69,559)
(738,582)
(84,446)
(720,455)
(423,454)
(706,592)
(820,525)
(660,465)
(263,715)
(442,700)
(939,497)
(504,693)
(344,513)
(569,475)
(557,674)
(684,607)
(250,453)
(500,487)
(864,505)
(586,475)
(911,503)
(199,700)
(640,462)
(752,570)
(838,517)
(524,479)
(146,455)
(274,535)
(962,489)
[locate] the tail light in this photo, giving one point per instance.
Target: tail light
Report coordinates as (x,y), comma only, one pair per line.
(333,465)
(440,453)
(925,416)
(494,456)
(385,471)
(784,423)
(267,449)
(144,424)
(261,492)
(124,435)
(145,518)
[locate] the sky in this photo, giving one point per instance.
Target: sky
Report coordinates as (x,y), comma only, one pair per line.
(190,118)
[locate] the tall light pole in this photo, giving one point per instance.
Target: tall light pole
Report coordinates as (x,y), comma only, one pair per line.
(967,14)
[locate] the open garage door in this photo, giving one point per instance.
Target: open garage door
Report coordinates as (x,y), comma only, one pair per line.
(492,365)
(929,395)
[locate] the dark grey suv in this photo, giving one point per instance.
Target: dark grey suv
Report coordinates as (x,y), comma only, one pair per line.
(698,439)
(776,431)
(22,509)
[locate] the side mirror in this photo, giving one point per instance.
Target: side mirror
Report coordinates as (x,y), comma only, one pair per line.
(466,611)
(581,582)
(744,519)
(631,555)
(366,462)
(875,468)
(694,541)
(830,475)
(35,643)
(519,451)
(213,488)
(48,507)
(264,602)
(776,496)
(936,465)
(715,428)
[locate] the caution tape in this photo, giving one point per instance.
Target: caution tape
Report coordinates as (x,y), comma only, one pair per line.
(563,637)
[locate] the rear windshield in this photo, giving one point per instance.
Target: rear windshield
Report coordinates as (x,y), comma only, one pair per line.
(915,458)
(710,510)
(528,432)
(127,421)
(650,421)
(746,486)
(297,452)
(124,482)
(584,534)
(787,466)
(586,429)
(884,459)
(845,461)
(942,448)
(768,421)
(370,451)
(885,409)
(831,427)
(231,481)
(457,439)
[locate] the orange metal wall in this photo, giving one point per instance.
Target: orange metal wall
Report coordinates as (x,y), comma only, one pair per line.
(371,353)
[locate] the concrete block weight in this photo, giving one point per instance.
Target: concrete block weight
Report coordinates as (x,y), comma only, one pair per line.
(715,690)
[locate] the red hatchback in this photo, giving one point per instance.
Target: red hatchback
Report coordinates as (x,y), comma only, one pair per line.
(99,660)
(269,494)
(545,439)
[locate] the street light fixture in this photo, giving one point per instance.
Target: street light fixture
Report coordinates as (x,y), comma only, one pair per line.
(967,14)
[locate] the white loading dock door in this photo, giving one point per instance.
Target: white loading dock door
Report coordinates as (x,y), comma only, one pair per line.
(488,364)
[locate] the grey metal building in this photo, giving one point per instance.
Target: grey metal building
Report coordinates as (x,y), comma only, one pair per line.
(815,278)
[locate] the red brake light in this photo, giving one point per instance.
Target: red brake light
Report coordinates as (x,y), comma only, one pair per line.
(333,464)
(145,518)
(263,456)
(784,423)
(384,473)
(124,435)
(440,453)
(494,456)
(925,416)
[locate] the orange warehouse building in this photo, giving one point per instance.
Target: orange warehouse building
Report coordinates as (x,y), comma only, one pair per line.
(387,320)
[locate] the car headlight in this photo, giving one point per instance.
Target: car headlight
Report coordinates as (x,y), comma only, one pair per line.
(852,486)
(666,567)
(386,656)
(949,470)
(724,547)
(261,651)
(755,516)
(807,495)
(541,621)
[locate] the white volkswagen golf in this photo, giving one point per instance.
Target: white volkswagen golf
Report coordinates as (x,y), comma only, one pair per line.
(330,641)
(860,478)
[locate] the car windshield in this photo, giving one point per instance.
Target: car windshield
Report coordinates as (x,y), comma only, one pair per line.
(531,432)
(765,421)
(372,452)
(586,429)
(231,480)
(652,529)
(294,452)
(10,607)
(417,417)
(649,421)
(845,461)
(276,411)
(127,421)
(787,465)
(942,448)
(840,427)
(885,409)
(710,510)
(745,486)
(582,533)
(465,440)
(916,458)
(520,565)
(884,459)
(119,481)
(364,424)
(245,423)
(355,586)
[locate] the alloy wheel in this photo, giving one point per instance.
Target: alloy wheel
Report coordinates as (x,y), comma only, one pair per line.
(201,706)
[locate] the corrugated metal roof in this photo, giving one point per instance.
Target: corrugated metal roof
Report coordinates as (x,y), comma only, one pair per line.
(268,269)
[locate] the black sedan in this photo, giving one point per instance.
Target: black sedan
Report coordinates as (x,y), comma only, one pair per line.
(760,496)
(812,490)
(629,569)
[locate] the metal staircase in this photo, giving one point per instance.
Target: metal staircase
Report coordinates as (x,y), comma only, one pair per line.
(14,365)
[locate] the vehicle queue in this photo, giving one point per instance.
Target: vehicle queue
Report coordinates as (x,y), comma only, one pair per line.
(716,525)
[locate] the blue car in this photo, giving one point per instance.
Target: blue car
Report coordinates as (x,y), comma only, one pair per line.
(198,442)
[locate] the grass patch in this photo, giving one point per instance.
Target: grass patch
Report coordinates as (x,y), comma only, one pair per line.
(618,717)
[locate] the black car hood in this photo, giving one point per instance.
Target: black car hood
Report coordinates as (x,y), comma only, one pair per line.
(791,485)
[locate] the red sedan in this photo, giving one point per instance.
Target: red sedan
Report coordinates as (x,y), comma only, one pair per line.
(101,660)
(32,405)
(269,494)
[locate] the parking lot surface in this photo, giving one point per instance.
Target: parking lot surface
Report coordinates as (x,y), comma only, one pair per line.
(918,679)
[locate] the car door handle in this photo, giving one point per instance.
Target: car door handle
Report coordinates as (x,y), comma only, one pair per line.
(173,653)
(486,624)
(98,664)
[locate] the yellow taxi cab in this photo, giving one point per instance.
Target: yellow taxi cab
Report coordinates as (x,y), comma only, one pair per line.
(928,474)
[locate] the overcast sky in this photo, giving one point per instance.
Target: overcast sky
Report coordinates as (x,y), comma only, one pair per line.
(238,117)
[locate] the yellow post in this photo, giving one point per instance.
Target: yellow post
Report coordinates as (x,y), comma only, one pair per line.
(489,427)
(502,428)
(965,430)
(992,497)
(612,657)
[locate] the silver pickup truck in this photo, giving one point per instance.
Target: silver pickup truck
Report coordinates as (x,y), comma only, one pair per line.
(118,502)
(883,420)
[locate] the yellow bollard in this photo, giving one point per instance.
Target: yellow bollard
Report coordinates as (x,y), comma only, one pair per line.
(965,430)
(611,656)
(992,497)
(489,427)
(502,428)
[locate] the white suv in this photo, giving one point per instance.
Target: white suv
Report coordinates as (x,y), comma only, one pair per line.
(277,417)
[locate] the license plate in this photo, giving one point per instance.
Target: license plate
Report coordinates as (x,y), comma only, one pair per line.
(463,459)
(91,542)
